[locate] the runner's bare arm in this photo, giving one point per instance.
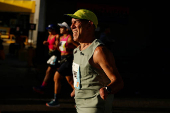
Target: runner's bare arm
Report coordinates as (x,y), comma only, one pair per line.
(104,60)
(57,41)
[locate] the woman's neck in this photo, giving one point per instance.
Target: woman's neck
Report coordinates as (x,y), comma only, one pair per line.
(65,35)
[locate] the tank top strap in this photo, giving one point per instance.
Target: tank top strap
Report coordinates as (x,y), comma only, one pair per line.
(90,50)
(50,36)
(65,39)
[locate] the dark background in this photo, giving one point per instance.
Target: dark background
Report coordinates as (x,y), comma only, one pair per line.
(135,53)
(141,57)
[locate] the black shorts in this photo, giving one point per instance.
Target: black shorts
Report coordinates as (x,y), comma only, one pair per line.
(56,53)
(65,68)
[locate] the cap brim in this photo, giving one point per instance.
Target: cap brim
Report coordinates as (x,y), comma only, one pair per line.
(47,28)
(61,25)
(73,16)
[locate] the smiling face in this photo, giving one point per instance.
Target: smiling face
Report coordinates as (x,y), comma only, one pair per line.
(79,29)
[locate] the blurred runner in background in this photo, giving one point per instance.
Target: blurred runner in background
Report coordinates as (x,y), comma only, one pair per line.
(54,56)
(66,46)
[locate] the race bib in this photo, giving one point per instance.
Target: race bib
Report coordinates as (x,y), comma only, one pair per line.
(76,75)
(62,46)
(52,60)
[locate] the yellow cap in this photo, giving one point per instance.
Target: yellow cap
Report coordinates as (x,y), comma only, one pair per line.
(85,14)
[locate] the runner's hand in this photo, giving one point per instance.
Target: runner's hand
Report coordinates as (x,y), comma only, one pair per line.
(103,93)
(46,43)
(72,93)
